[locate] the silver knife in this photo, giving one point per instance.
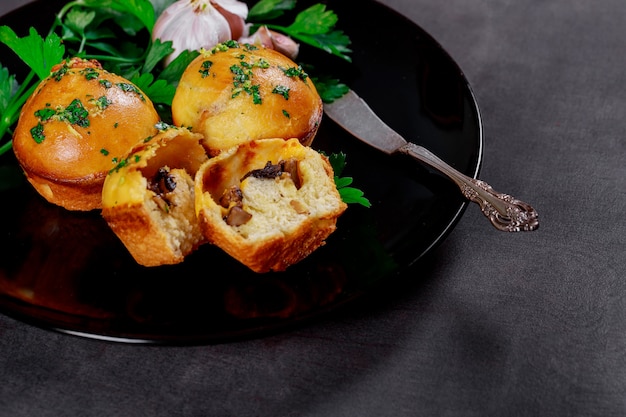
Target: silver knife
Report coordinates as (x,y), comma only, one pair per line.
(505,212)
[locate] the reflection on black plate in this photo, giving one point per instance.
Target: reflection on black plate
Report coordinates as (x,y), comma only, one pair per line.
(67,271)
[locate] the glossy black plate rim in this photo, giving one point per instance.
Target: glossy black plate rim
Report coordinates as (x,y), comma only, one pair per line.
(136,338)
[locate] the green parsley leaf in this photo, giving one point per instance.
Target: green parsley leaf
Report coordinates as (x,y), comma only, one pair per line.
(282,90)
(330,89)
(78,20)
(315,20)
(269,9)
(343,182)
(8,87)
(159,91)
(172,73)
(316,27)
(141,9)
(161,5)
(338,162)
(349,195)
(158,50)
(38,53)
(335,42)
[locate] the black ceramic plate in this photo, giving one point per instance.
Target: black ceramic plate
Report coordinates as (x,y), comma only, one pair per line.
(67,271)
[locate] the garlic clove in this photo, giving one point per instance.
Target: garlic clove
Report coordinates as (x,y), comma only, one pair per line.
(285,45)
(235,7)
(273,40)
(261,37)
(235,22)
(196,24)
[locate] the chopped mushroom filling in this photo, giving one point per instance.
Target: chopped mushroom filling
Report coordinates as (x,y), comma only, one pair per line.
(162,184)
(270,170)
(232,198)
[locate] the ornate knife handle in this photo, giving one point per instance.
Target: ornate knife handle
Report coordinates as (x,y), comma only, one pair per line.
(505,212)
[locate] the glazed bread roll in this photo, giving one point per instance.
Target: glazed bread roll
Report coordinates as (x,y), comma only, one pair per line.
(237,93)
(70,130)
(148,199)
(268,203)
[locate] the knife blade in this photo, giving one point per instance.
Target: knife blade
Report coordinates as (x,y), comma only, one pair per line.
(505,212)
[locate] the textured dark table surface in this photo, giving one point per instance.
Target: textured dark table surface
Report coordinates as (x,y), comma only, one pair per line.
(504,325)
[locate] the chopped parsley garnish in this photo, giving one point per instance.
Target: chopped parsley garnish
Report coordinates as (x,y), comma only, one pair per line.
(103,102)
(104,152)
(130,88)
(282,90)
(242,79)
(296,72)
(37,133)
(75,114)
(120,163)
(206,67)
(225,46)
(58,75)
(90,73)
(106,83)
(240,76)
(256,94)
(45,114)
(286,114)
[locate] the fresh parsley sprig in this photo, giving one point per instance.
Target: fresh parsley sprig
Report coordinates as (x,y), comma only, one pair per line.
(40,54)
(270,9)
(329,89)
(349,195)
(314,26)
(89,29)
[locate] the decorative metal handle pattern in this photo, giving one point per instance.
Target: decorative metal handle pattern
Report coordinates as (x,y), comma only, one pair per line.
(504,211)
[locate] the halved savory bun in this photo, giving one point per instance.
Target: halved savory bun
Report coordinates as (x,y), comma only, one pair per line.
(77,121)
(148,199)
(268,203)
(237,93)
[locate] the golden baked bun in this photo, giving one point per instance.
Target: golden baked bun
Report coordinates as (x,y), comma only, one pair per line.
(73,126)
(268,203)
(148,199)
(237,93)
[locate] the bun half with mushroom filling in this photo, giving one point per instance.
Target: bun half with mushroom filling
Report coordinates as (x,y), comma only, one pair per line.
(72,127)
(268,203)
(148,199)
(236,93)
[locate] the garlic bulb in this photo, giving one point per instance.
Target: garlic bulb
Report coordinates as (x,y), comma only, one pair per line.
(273,40)
(196,24)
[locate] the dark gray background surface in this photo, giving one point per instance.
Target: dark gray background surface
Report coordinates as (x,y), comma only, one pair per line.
(504,325)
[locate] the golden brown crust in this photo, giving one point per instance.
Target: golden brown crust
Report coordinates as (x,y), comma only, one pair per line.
(210,99)
(157,226)
(281,232)
(145,241)
(73,126)
(277,253)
